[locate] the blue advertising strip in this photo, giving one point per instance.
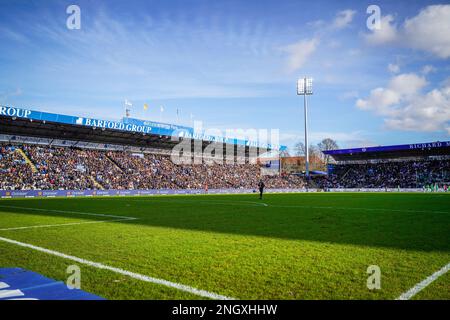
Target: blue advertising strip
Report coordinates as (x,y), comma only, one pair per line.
(20,284)
(130,125)
(90,122)
(167,126)
(413,146)
(106,193)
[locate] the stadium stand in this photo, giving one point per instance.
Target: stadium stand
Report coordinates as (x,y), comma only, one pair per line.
(403,174)
(45,151)
(68,168)
(401,166)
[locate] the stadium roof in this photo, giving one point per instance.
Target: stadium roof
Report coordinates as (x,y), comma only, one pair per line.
(133,132)
(438,148)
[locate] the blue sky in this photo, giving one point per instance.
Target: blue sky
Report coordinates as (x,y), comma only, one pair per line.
(234,64)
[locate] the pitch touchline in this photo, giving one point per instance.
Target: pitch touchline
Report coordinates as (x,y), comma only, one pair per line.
(425,283)
(130,274)
(61,224)
(118,218)
(74,212)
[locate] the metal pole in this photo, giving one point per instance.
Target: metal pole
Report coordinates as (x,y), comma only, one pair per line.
(306,134)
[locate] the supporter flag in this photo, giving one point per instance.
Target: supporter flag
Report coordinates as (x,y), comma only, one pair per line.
(161,109)
(145,106)
(178,116)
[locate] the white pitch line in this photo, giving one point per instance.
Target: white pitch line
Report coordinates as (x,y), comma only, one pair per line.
(422,285)
(130,274)
(73,212)
(60,224)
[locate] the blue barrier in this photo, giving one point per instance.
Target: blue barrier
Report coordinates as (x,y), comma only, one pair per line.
(20,284)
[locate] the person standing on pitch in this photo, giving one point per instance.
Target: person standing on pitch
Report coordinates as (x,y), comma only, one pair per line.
(261,186)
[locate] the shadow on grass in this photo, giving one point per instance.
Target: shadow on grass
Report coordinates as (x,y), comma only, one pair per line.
(403,222)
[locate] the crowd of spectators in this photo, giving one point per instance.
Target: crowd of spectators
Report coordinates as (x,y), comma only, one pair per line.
(403,174)
(15,172)
(57,168)
(64,168)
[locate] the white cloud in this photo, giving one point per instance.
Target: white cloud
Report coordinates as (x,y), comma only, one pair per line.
(394,68)
(407,84)
(299,52)
(316,24)
(378,100)
(428,69)
(399,89)
(446,82)
(387,32)
(428,31)
(430,112)
(405,107)
(354,52)
(353,94)
(334,44)
(12,35)
(343,18)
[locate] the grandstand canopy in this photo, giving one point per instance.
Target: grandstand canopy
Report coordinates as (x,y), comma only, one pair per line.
(127,132)
(429,149)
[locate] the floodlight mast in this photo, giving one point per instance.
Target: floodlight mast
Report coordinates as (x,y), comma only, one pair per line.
(304,88)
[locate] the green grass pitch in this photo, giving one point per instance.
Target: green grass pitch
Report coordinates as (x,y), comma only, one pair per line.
(286,246)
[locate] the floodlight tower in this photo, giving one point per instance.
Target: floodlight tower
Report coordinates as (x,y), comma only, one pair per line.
(304,88)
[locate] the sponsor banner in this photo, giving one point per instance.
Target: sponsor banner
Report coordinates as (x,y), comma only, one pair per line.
(375,190)
(86,193)
(20,284)
(165,126)
(100,193)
